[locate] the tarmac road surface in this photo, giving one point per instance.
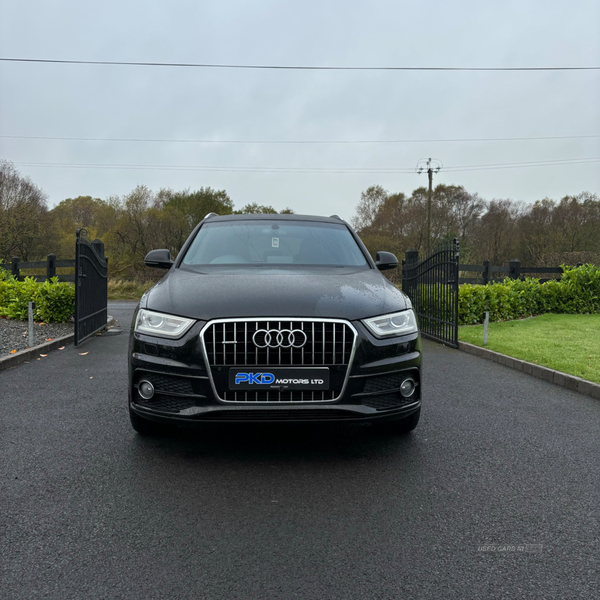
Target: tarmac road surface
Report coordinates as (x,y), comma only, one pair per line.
(495,494)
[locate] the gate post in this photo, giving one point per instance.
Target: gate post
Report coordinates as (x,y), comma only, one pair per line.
(15,266)
(515,269)
(411,257)
(487,271)
(98,247)
(51,266)
(77,286)
(455,290)
(403,273)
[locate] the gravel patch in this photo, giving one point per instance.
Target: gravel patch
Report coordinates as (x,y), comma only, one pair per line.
(14,334)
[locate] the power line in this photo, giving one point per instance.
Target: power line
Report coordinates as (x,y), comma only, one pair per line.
(324,170)
(238,169)
(287,67)
(206,141)
(534,163)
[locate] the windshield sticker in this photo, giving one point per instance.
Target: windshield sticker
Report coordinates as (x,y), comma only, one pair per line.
(275,242)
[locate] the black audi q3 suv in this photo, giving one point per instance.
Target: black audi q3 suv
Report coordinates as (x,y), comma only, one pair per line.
(272,318)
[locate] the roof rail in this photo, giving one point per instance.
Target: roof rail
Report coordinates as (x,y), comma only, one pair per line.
(211,214)
(335,217)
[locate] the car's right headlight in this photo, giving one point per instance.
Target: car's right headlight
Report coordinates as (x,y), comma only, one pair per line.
(399,323)
(161,325)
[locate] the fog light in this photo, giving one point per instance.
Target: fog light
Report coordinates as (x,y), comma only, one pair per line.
(407,387)
(146,390)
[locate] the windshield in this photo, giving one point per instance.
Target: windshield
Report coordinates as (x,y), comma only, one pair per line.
(274,242)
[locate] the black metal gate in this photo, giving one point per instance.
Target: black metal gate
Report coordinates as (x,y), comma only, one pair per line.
(432,286)
(91,291)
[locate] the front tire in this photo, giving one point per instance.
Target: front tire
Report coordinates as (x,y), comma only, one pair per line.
(147,427)
(400,426)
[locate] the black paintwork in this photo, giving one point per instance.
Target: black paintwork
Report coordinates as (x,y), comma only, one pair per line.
(348,293)
(159,259)
(247,291)
(385,261)
(259,291)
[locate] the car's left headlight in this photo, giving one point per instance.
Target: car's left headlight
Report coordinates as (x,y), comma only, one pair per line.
(161,325)
(399,323)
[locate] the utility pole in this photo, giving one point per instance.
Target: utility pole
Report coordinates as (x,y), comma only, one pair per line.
(432,164)
(429,194)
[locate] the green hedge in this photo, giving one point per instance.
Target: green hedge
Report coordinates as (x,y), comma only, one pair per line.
(578,292)
(54,301)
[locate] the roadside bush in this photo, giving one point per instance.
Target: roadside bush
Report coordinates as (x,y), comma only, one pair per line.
(578,292)
(6,282)
(54,301)
(18,296)
(5,275)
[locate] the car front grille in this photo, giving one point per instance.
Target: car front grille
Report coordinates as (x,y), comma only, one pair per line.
(275,396)
(231,343)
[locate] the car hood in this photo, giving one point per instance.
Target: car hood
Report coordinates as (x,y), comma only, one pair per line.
(263,292)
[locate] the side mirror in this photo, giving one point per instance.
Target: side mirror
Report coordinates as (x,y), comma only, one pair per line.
(385,260)
(159,259)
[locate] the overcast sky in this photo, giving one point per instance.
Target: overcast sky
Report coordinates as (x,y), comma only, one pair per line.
(90,101)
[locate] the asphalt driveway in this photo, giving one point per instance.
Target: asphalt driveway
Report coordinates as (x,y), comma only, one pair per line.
(495,495)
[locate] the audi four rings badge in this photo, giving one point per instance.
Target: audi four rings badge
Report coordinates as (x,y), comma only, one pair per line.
(275,338)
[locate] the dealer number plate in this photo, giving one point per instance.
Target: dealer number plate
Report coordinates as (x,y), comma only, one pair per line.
(279,379)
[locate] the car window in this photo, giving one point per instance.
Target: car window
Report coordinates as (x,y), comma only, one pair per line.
(274,242)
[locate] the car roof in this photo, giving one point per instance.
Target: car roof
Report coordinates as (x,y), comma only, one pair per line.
(275,217)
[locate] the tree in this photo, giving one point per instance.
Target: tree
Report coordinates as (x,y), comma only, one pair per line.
(84,212)
(416,219)
(549,229)
(194,206)
(256,209)
(536,232)
(261,209)
(371,201)
(395,221)
(22,212)
(172,228)
(145,221)
(577,221)
(464,209)
(131,237)
(495,237)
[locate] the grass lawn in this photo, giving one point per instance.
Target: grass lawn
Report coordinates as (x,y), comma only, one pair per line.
(567,343)
(119,289)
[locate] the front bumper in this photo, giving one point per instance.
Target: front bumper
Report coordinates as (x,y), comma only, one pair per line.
(185,394)
(273,414)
